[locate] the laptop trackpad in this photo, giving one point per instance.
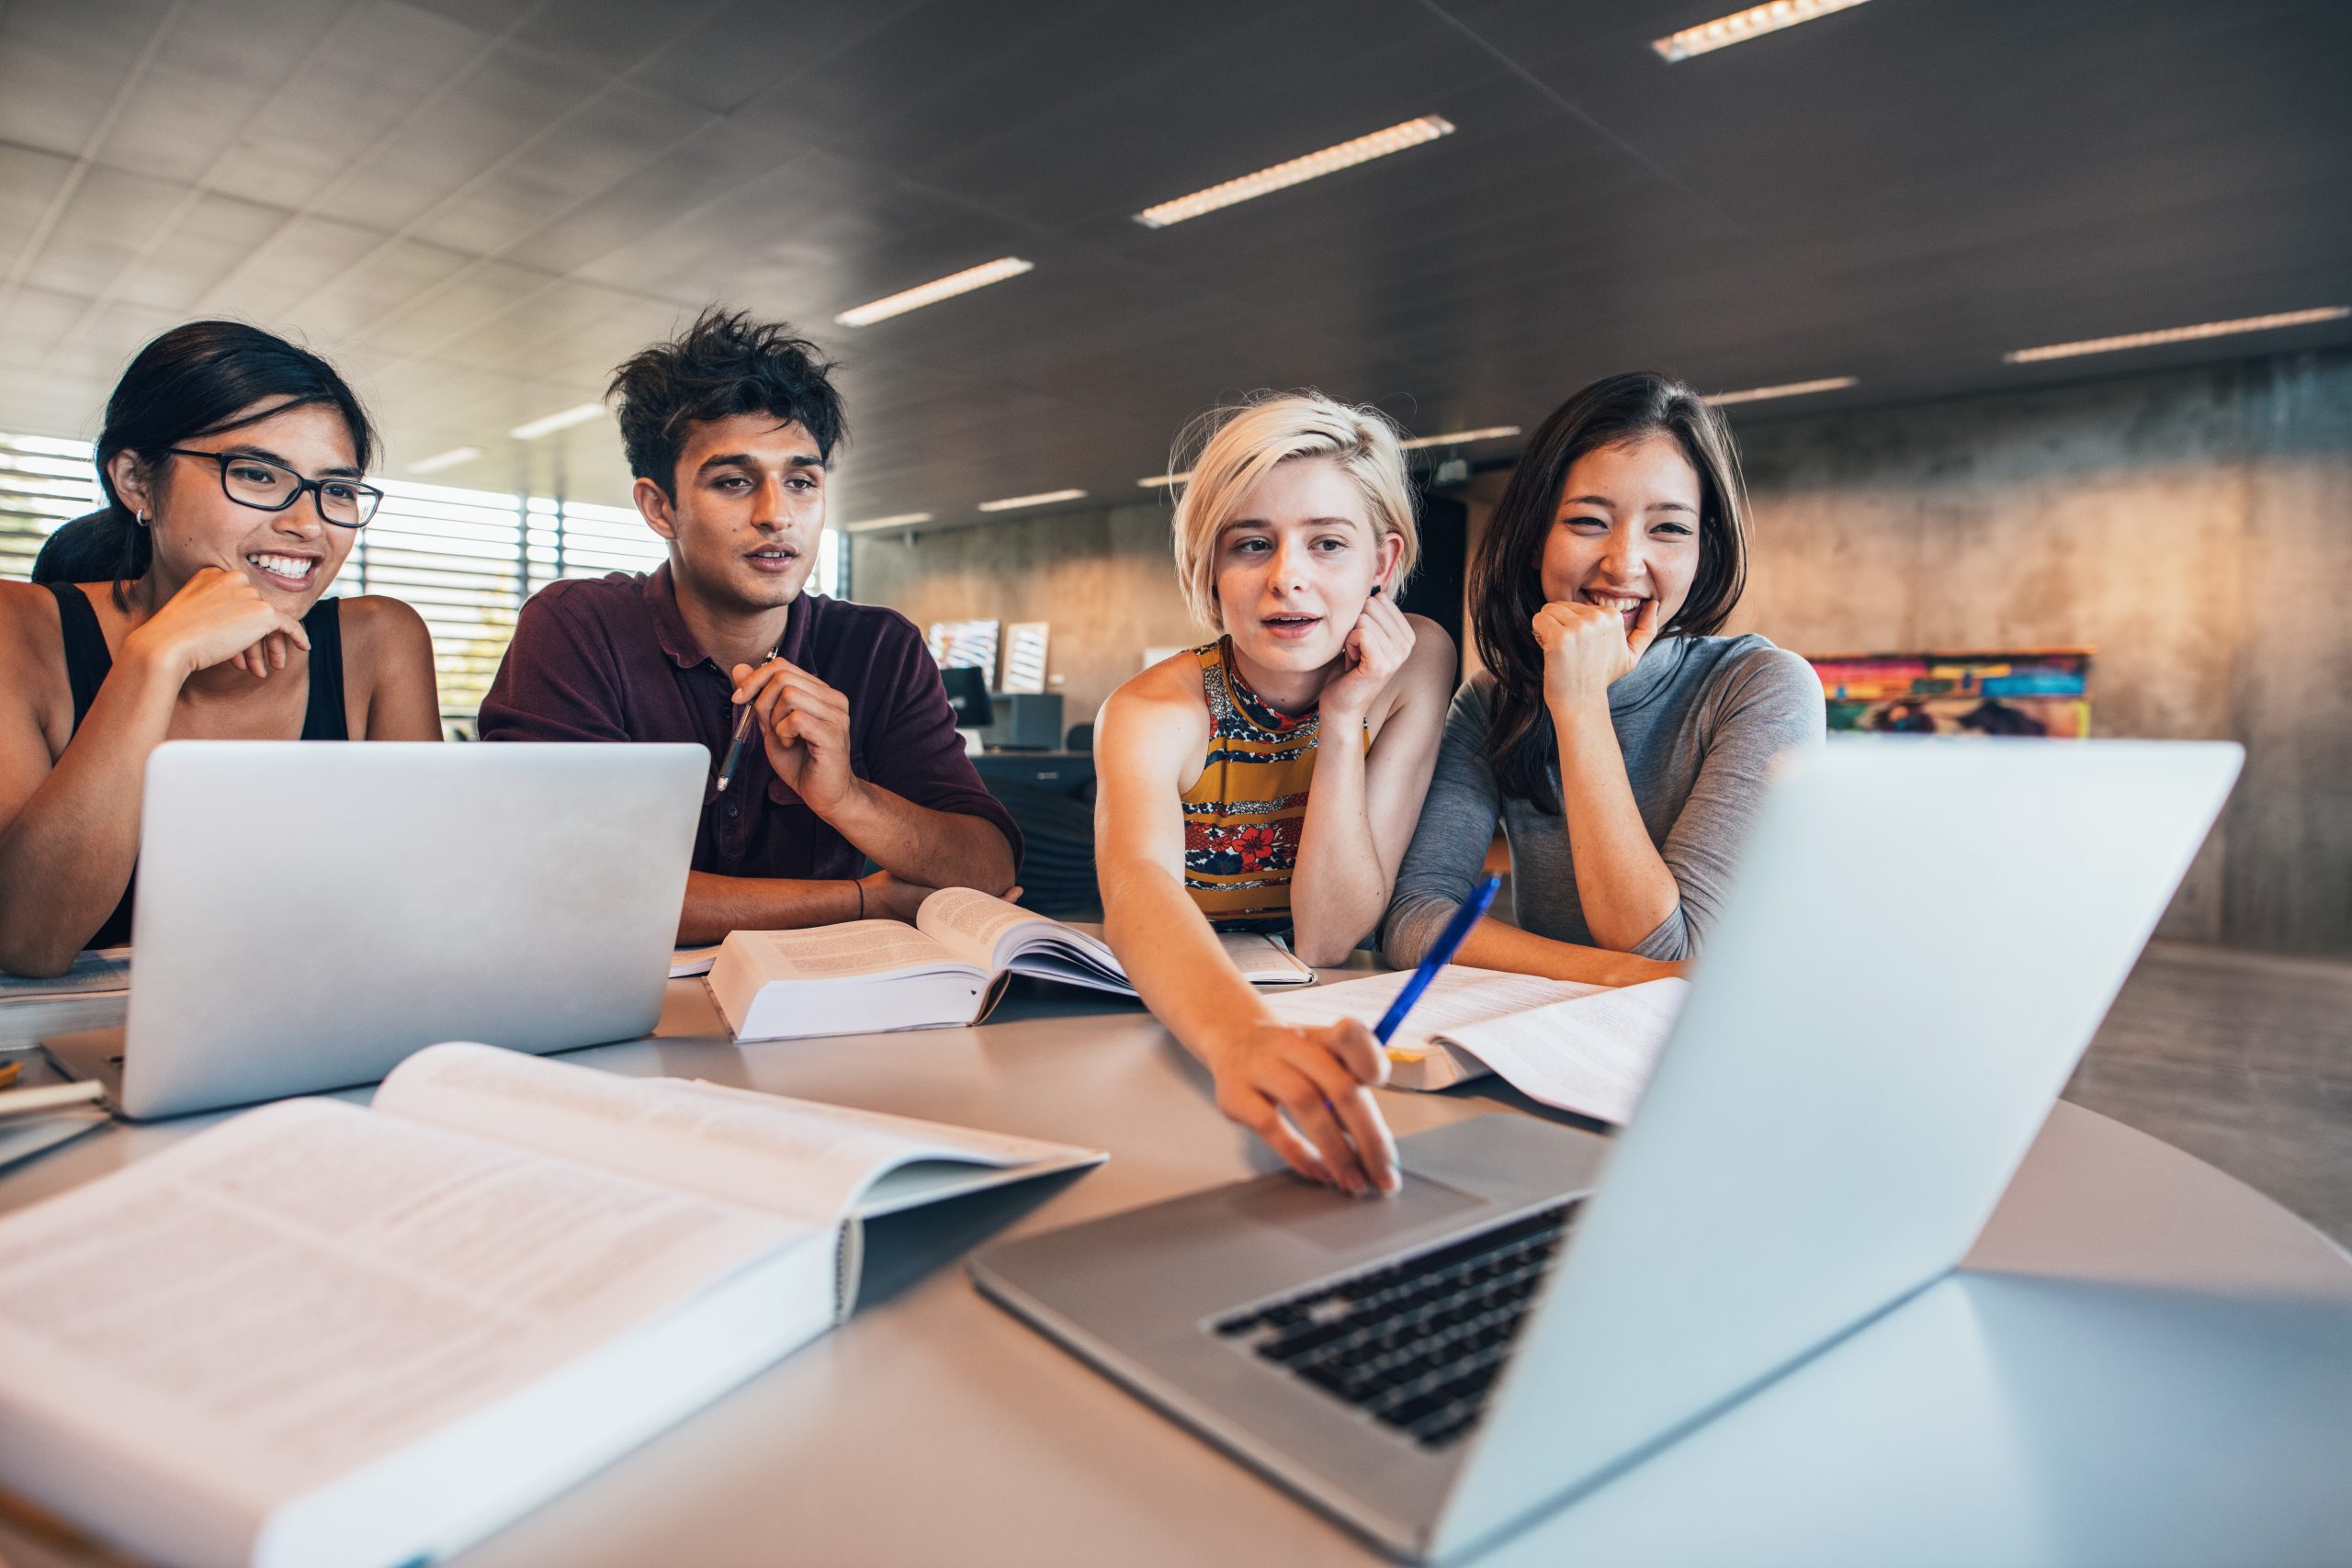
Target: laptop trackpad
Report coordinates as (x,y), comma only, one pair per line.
(1338,1222)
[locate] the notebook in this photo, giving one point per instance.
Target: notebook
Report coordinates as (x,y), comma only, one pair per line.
(949,968)
(1583,1048)
(321,1334)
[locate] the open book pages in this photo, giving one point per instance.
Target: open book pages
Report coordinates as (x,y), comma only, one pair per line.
(1418,1058)
(314,1335)
(872,977)
(1264,960)
(1589,1049)
(995,936)
(1000,936)
(319,1335)
(690,961)
(797,1159)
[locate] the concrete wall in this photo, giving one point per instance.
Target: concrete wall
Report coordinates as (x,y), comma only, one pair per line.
(1105,579)
(2195,527)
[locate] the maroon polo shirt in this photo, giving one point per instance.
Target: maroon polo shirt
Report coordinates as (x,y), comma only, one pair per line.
(610,659)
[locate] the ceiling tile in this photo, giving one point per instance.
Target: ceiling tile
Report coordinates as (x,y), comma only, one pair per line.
(736,52)
(598,142)
(479,206)
(62,63)
(717,161)
(464,126)
(222,61)
(30,181)
(36,320)
(377,67)
(612,36)
(388,275)
(208,240)
(108,217)
(300,257)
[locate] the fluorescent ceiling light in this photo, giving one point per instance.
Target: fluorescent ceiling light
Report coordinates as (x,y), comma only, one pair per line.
(1451,438)
(1741,26)
(1042,498)
(938,288)
(2179,334)
(1785,390)
(897,520)
(549,425)
(1330,160)
(440,460)
(1458,437)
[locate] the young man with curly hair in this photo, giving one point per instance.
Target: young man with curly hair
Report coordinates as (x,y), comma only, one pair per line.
(731,431)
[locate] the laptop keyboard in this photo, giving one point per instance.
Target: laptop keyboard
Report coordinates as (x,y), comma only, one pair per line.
(1418,1344)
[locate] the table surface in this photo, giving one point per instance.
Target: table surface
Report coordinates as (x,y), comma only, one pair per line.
(2142,1361)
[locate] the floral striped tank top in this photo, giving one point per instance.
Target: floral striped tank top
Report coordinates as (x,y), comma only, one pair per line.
(1244,814)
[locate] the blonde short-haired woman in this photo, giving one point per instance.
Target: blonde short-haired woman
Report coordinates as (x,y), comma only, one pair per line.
(1217,806)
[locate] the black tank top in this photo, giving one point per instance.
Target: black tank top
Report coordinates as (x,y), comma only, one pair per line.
(88,662)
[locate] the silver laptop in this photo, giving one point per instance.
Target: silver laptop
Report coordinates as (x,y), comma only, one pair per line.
(1920,941)
(308,914)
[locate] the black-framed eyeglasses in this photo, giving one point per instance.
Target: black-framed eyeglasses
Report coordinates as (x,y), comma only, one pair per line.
(273,487)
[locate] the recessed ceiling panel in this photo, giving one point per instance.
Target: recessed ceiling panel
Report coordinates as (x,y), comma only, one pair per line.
(479,206)
(381,61)
(598,141)
(63,63)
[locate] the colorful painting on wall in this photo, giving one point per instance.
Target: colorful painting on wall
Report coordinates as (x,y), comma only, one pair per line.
(2044,691)
(959,644)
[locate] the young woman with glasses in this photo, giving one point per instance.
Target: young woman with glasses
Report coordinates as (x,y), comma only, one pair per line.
(231,462)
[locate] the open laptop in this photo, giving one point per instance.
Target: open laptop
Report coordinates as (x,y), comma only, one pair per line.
(1921,939)
(306,915)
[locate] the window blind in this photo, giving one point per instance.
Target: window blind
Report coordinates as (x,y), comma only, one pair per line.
(44,482)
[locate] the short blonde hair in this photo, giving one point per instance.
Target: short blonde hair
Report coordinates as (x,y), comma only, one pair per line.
(1241,445)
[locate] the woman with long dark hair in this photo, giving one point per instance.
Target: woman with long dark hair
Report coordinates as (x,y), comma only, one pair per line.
(1620,741)
(232,464)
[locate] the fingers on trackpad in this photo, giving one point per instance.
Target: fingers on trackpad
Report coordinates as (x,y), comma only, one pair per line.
(1333,1220)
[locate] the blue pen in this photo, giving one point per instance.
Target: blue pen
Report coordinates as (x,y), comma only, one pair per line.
(1440,955)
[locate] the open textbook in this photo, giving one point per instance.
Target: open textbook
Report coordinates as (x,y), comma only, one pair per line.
(1587,1049)
(949,968)
(319,1335)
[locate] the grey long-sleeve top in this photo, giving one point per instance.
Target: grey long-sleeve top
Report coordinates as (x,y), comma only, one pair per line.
(1699,720)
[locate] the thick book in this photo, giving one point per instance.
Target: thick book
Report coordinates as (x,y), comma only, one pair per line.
(93,994)
(1589,1049)
(950,967)
(320,1335)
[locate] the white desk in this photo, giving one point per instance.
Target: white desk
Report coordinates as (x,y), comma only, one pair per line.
(2145,1362)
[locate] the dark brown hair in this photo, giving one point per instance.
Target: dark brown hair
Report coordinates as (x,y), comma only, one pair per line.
(1506,581)
(725,363)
